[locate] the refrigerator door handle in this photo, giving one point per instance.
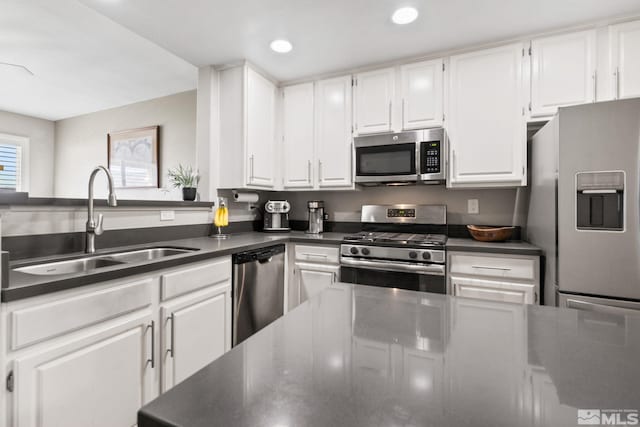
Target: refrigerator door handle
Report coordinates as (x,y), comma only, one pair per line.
(598,308)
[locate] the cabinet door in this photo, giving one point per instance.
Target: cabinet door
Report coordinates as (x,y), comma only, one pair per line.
(313,279)
(374,101)
(196,331)
(625,59)
(487,124)
(422,94)
(100,380)
(260,128)
(493,290)
(562,72)
(298,135)
(478,353)
(333,132)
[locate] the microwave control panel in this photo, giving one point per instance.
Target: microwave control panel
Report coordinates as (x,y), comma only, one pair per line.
(430,156)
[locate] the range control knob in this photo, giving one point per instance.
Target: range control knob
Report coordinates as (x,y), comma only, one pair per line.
(426,255)
(365,251)
(413,255)
(353,250)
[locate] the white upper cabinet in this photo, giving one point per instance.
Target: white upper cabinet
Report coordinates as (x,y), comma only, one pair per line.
(333,133)
(563,72)
(374,92)
(422,94)
(487,130)
(261,96)
(625,59)
(247,129)
(298,138)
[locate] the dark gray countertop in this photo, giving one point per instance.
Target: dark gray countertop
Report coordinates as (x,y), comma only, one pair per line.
(23,285)
(365,356)
(509,247)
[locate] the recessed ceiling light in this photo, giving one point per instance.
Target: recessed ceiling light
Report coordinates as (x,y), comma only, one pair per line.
(281,46)
(404,15)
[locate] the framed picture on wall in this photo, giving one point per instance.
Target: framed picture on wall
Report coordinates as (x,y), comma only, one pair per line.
(133,157)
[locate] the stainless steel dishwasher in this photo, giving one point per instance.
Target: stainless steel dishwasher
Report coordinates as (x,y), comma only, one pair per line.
(258,290)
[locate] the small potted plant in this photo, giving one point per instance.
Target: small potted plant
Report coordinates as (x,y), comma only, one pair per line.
(186,178)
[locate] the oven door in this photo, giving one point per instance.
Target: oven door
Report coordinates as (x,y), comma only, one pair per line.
(391,274)
(387,158)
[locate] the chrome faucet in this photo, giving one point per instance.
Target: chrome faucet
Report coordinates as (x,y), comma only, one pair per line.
(95,228)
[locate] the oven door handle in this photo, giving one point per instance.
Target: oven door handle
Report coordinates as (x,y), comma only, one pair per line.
(430,269)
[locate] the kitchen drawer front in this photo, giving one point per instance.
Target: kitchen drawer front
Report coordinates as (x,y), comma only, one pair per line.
(51,319)
(511,267)
(198,276)
(494,290)
(324,254)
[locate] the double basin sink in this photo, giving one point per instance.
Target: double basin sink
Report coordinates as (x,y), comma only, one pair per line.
(94,262)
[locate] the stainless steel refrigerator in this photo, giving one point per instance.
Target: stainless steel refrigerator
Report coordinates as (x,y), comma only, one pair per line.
(584,206)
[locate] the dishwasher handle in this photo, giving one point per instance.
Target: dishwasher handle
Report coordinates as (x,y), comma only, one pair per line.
(262,255)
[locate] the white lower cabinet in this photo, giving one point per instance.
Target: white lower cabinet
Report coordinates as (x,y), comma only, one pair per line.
(91,357)
(99,380)
(195,332)
(314,269)
(496,277)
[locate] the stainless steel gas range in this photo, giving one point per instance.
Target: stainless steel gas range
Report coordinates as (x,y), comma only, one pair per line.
(402,246)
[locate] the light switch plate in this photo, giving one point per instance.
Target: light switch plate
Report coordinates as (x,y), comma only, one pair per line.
(167,215)
(473,207)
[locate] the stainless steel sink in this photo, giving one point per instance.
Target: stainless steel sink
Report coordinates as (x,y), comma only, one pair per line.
(79,265)
(148,254)
(69,266)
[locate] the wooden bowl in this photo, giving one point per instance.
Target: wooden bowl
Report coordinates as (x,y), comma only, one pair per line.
(490,234)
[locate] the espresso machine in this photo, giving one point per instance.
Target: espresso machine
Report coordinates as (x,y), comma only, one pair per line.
(276,216)
(316,216)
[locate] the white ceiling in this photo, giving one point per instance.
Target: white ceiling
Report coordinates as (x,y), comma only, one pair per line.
(81,60)
(333,35)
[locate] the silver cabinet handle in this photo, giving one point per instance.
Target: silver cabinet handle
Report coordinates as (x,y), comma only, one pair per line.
(453,165)
(315,255)
(402,113)
(251,161)
(491,268)
(152,360)
(171,351)
(319,171)
(595,85)
(390,106)
(617,82)
(309,171)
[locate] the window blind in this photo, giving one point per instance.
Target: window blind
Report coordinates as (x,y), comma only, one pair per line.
(11,161)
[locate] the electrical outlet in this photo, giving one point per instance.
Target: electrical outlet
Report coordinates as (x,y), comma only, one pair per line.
(473,207)
(167,215)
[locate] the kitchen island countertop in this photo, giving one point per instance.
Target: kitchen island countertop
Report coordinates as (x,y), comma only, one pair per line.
(365,356)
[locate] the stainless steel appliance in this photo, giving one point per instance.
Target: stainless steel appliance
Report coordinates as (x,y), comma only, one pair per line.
(405,157)
(316,216)
(397,249)
(258,290)
(276,216)
(584,205)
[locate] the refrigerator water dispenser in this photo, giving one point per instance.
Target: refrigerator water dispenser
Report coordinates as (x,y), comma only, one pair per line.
(600,200)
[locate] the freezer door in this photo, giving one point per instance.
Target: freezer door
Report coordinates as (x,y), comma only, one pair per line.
(599,305)
(599,152)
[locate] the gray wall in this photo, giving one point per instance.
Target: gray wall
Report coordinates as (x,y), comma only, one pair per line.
(81,144)
(41,148)
(497,206)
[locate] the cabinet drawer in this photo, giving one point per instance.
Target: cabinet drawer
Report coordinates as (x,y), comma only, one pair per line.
(185,280)
(519,293)
(494,266)
(44,321)
(325,254)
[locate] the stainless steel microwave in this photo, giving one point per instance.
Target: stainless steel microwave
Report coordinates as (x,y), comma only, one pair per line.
(404,157)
